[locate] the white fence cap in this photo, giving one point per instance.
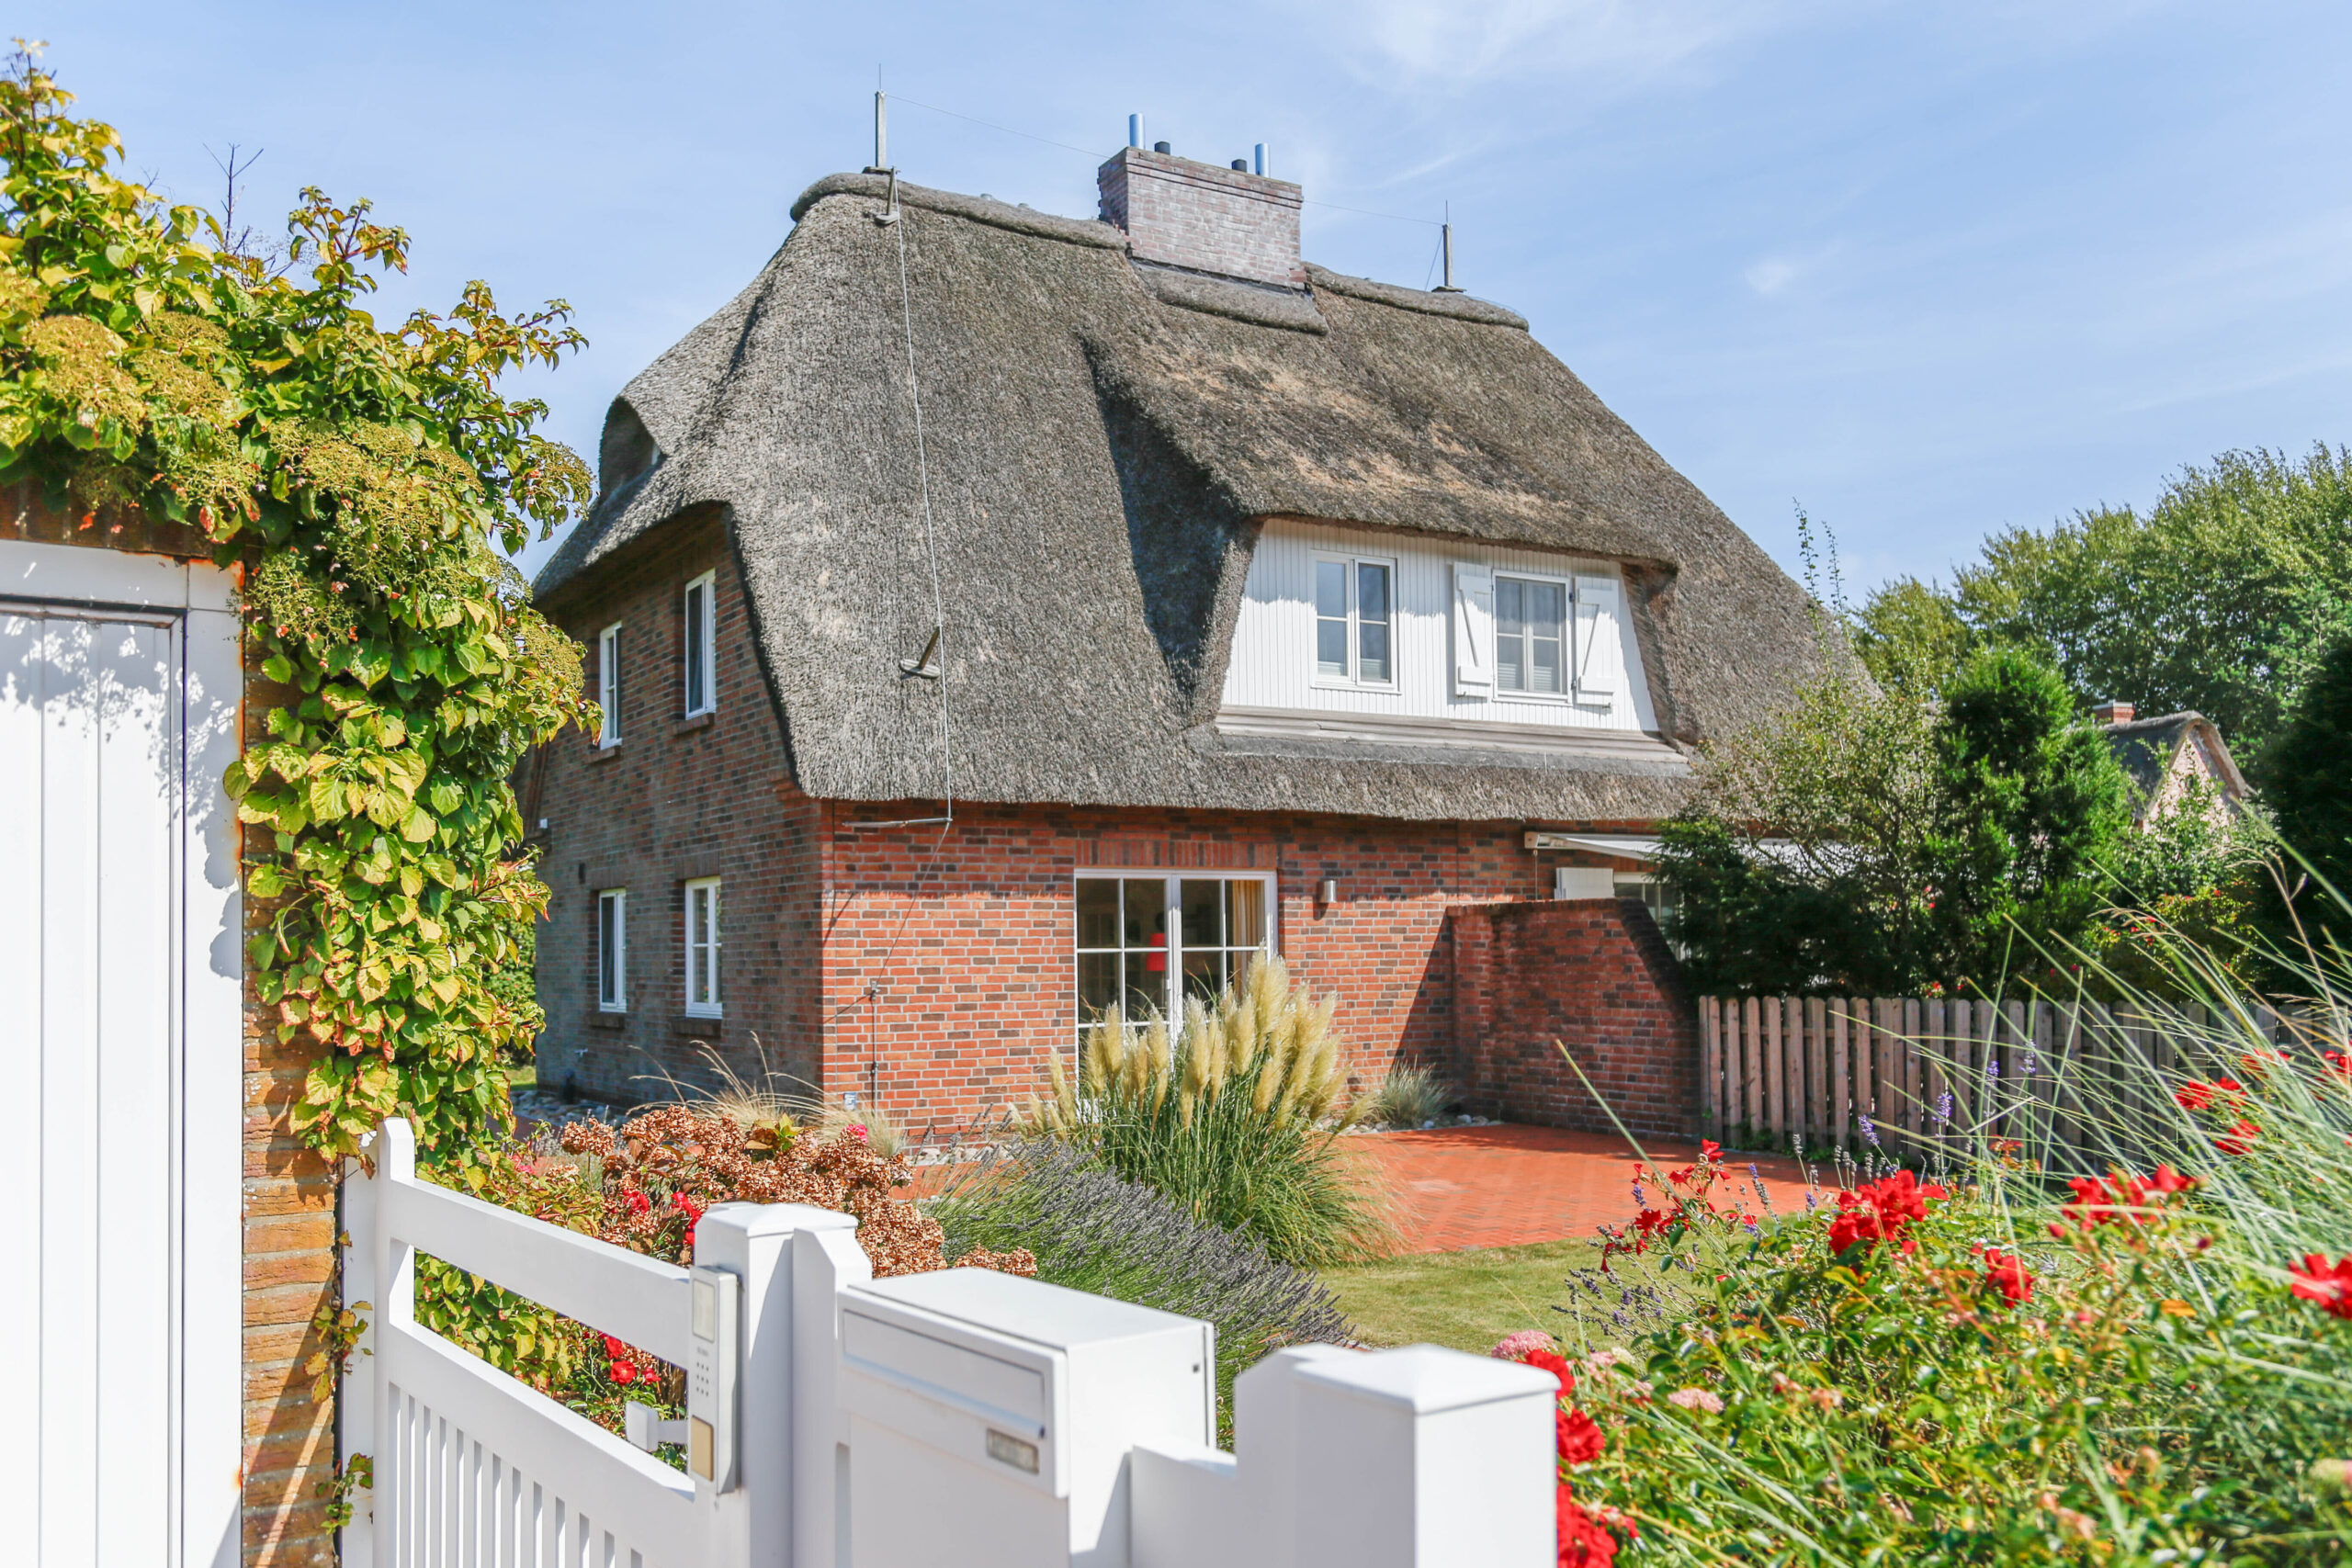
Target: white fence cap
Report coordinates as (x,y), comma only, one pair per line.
(1044,1315)
(1425,1379)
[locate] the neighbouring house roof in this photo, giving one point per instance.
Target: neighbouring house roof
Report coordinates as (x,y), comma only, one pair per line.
(2152,753)
(1102,440)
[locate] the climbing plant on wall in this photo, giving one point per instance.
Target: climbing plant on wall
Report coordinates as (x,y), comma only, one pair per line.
(363,477)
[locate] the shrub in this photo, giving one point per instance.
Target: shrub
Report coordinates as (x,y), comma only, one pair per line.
(2303,784)
(2144,1367)
(1091,1230)
(1236,1120)
(1408,1096)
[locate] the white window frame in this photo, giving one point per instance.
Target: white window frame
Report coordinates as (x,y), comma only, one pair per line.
(700,645)
(703,949)
(1174,880)
(616,998)
(608,685)
(1352,681)
(1566,583)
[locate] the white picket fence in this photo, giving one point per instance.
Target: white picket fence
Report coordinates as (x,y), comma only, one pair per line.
(2077,1084)
(965,1416)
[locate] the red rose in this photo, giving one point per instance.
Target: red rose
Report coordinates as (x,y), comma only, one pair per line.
(2330,1286)
(2239,1138)
(2007,1274)
(622,1372)
(1552,1362)
(1581,1439)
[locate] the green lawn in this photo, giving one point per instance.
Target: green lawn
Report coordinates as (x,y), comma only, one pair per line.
(1467,1300)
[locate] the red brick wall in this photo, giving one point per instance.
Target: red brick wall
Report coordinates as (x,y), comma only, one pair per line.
(949,973)
(676,799)
(1594,974)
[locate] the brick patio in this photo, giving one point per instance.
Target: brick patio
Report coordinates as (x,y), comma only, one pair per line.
(1507,1185)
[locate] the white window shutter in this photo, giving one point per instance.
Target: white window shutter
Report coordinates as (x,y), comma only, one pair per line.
(1600,657)
(1473,631)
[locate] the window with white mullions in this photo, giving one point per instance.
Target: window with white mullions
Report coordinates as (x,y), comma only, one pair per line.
(1147,942)
(612,951)
(702,947)
(1355,617)
(608,685)
(1531,635)
(702,645)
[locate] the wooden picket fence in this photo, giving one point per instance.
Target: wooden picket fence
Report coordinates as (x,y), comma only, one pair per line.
(2077,1085)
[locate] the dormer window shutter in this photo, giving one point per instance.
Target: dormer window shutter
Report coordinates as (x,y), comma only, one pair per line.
(1473,631)
(1600,657)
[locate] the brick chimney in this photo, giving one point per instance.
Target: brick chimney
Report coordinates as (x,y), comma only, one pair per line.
(2113,713)
(1203,218)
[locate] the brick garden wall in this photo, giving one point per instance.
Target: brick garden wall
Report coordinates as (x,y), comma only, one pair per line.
(1594,974)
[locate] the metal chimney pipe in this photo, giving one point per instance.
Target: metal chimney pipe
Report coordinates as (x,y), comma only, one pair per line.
(1262,161)
(881,132)
(1135,130)
(1445,239)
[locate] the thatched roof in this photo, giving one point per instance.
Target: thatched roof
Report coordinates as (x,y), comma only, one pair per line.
(2148,749)
(1103,439)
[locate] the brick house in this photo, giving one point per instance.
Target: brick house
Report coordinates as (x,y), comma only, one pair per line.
(173,1239)
(1170,599)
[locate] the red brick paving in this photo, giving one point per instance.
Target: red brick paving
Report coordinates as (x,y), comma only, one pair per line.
(1507,1186)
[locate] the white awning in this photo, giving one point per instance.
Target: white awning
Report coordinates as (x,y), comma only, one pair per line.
(1625,847)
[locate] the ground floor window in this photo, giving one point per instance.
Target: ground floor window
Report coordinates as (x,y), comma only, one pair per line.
(1147,942)
(702,947)
(612,950)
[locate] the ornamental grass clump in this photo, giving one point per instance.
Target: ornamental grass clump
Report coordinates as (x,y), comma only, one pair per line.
(1091,1230)
(2151,1364)
(1410,1096)
(1233,1115)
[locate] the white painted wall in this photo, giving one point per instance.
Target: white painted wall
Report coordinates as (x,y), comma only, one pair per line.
(1273,641)
(120,968)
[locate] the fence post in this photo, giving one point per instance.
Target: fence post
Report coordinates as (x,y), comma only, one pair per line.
(1752,1065)
(753,1524)
(823,1260)
(1841,1074)
(1817,1070)
(1710,1063)
(1776,1070)
(1865,1065)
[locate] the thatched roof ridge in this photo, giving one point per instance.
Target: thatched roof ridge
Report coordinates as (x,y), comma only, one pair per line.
(1103,444)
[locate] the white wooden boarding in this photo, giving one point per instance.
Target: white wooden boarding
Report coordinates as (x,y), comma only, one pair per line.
(120,1039)
(962,1416)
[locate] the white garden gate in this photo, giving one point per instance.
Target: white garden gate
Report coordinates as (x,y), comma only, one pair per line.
(119,963)
(965,1417)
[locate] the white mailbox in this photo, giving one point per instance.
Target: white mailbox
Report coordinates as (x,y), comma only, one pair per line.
(991,1417)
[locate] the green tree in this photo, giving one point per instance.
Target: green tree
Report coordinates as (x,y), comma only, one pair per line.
(2030,801)
(2221,598)
(2308,794)
(363,477)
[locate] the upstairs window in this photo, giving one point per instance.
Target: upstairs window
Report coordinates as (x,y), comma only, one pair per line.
(1530,635)
(612,951)
(702,646)
(1355,612)
(702,947)
(608,685)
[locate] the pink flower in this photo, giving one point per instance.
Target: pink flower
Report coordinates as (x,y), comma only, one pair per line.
(1517,1347)
(1697,1399)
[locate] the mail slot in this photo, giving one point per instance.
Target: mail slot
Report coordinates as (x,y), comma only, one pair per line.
(984,1407)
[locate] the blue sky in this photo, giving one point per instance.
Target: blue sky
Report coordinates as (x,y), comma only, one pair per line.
(1929,269)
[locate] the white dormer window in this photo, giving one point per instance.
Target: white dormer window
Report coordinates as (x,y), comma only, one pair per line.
(1531,635)
(608,685)
(702,646)
(1355,617)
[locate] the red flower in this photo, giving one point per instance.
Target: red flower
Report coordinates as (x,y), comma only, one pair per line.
(2239,1138)
(2259,1062)
(636,1202)
(1552,1362)
(2007,1274)
(1583,1542)
(622,1372)
(2168,1181)
(2331,1287)
(1580,1437)
(2340,1064)
(1649,1222)
(1880,1212)
(1679,1177)
(2193,1095)
(1710,1151)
